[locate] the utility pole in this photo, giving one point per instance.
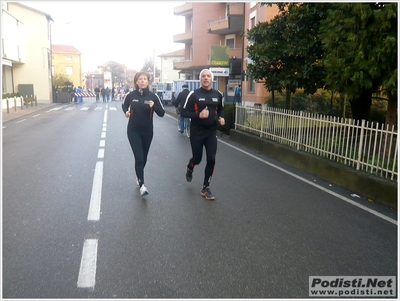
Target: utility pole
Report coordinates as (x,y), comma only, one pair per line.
(154,65)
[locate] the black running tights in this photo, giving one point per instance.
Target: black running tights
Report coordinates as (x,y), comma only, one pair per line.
(140,144)
(210,143)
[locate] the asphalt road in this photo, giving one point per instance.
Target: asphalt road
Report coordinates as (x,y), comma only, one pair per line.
(75,226)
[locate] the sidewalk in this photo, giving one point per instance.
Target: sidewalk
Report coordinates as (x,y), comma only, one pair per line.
(18,112)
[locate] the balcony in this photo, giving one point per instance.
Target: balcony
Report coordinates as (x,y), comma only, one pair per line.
(184,9)
(186,38)
(231,23)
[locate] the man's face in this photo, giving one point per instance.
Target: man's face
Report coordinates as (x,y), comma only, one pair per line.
(206,80)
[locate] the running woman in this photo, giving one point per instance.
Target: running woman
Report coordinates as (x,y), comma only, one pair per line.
(139,106)
(205,107)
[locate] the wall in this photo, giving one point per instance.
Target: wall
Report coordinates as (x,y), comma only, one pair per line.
(60,63)
(168,74)
(201,41)
(37,68)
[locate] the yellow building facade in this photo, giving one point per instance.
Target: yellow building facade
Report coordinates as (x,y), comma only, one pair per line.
(67,60)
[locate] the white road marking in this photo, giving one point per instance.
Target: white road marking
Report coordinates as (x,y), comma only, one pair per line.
(69,109)
(21,121)
(105,116)
(113,109)
(87,270)
(103,135)
(54,109)
(100,154)
(85,109)
(98,108)
(95,199)
(35,115)
(317,186)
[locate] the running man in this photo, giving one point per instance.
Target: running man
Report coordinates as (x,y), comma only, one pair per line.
(204,106)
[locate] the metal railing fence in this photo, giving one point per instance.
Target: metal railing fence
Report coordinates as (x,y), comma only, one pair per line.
(362,145)
(18,102)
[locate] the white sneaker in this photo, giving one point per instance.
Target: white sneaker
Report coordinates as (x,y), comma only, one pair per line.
(143,190)
(137,182)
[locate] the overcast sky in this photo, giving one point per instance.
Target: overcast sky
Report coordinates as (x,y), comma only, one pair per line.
(123,31)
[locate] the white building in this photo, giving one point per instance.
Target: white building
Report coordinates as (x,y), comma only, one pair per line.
(167,72)
(26,51)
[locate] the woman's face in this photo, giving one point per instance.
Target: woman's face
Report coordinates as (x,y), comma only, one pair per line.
(142,82)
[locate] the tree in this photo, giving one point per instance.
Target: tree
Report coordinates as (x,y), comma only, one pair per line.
(120,73)
(61,80)
(149,64)
(286,52)
(361,53)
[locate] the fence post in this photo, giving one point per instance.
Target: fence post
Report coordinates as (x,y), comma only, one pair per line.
(262,121)
(15,103)
(26,102)
(22,103)
(360,144)
(8,106)
(300,130)
(236,114)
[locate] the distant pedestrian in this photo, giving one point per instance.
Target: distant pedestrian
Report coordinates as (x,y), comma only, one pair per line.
(178,103)
(108,94)
(238,94)
(72,94)
(103,94)
(205,107)
(139,106)
(121,93)
(79,98)
(97,92)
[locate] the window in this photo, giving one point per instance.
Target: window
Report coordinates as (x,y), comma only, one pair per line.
(230,41)
(252,21)
(68,58)
(68,70)
(252,85)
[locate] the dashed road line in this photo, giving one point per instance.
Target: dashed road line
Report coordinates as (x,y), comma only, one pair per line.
(95,199)
(87,270)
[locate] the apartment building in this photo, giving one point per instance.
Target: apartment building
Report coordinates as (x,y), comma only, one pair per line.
(26,51)
(167,72)
(67,61)
(213,39)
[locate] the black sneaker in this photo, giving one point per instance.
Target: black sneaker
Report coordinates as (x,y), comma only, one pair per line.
(206,192)
(189,175)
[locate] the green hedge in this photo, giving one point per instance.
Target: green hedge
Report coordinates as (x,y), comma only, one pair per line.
(229,119)
(9,95)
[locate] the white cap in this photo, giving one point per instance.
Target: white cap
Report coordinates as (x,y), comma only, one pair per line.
(212,75)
